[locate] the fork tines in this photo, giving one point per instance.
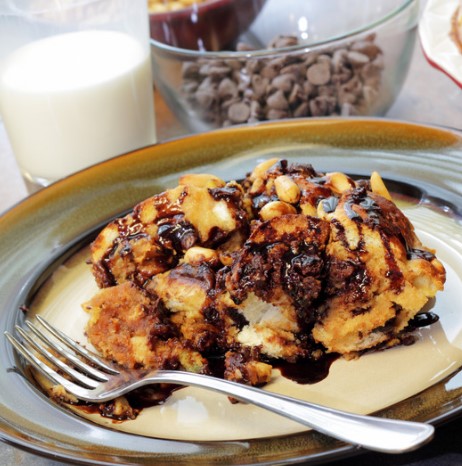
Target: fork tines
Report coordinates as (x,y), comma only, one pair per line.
(59,359)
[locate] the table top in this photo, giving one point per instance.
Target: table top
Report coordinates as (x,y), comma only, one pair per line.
(428,96)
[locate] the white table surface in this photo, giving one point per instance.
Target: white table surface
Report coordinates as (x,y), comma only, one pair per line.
(428,96)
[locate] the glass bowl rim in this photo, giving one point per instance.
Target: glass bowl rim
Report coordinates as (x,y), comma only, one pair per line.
(190,53)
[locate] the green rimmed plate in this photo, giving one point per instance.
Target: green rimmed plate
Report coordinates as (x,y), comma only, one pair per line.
(423,163)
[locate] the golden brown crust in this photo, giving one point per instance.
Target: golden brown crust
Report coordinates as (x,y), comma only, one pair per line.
(131,327)
(154,238)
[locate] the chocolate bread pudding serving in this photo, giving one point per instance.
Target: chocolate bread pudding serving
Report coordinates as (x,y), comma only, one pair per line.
(285,267)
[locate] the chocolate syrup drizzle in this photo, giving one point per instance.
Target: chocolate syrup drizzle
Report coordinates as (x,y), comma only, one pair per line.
(360,207)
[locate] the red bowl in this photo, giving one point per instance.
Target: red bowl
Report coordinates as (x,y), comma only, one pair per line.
(211,25)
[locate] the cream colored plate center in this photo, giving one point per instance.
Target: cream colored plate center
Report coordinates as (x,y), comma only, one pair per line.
(365,385)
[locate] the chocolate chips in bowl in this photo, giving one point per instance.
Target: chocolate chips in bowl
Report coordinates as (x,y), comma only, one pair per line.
(295,60)
(343,80)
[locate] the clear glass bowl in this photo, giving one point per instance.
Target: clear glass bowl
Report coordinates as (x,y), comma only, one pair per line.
(297,59)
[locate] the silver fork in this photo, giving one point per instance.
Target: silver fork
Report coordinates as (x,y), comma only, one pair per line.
(97,381)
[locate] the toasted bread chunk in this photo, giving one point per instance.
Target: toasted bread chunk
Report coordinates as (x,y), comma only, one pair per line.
(379,276)
(155,237)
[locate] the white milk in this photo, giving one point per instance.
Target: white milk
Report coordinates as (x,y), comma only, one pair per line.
(75,99)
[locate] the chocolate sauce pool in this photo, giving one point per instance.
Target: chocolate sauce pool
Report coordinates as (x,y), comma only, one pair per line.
(307,372)
(304,372)
(423,319)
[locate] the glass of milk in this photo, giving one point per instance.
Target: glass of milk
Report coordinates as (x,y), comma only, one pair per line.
(75,83)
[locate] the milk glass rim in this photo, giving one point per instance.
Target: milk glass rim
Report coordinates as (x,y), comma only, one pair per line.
(11,7)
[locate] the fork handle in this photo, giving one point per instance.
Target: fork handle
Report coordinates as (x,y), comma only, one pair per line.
(374,433)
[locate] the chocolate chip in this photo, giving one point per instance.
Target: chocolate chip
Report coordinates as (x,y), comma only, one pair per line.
(259,85)
(190,70)
(206,98)
(322,106)
(367,48)
(227,89)
(294,69)
(339,58)
(276,114)
(296,94)
(318,74)
(255,109)
(357,58)
(282,42)
(190,86)
(239,112)
(348,109)
(270,71)
(308,89)
(243,47)
(371,74)
(370,94)
(278,101)
(283,82)
(302,110)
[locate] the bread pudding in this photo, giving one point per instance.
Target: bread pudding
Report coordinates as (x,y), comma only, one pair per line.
(288,265)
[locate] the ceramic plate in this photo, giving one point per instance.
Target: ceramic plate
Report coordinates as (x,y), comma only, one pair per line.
(436,31)
(43,266)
